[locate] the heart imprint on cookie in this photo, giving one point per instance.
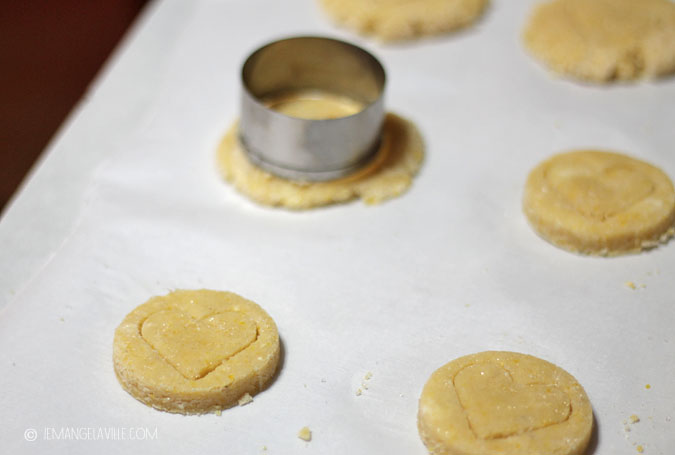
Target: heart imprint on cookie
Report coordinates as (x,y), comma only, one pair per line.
(195,347)
(598,190)
(498,407)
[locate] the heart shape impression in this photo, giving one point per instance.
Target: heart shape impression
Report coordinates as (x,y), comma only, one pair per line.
(599,189)
(498,407)
(195,347)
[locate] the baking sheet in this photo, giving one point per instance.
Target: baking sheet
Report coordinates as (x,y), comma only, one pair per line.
(397,290)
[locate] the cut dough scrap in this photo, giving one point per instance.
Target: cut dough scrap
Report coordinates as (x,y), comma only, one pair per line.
(388,175)
(195,351)
(506,403)
(604,40)
(600,203)
(390,20)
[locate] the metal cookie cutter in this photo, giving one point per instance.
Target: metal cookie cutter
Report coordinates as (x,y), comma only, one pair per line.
(307,148)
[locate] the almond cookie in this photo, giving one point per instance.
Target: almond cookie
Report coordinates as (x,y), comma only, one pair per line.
(193,352)
(388,174)
(390,20)
(600,203)
(604,40)
(506,403)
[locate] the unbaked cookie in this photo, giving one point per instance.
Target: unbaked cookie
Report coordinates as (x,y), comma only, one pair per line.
(195,351)
(604,40)
(600,203)
(506,403)
(389,173)
(404,19)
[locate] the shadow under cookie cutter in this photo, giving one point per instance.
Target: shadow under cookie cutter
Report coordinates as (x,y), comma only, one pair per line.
(311,149)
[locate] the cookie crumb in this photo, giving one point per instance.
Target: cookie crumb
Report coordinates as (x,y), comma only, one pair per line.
(648,386)
(305,434)
(630,285)
(245,399)
(219,412)
(366,378)
(364,383)
(640,449)
(634,419)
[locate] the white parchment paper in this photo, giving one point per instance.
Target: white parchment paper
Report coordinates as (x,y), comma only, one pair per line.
(450,268)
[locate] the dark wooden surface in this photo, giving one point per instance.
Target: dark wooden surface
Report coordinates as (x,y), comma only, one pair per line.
(49,53)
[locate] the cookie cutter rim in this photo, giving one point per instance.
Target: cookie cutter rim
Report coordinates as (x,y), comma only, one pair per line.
(312,149)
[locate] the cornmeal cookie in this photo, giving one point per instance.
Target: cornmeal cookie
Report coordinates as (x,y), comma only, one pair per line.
(403,19)
(504,403)
(195,351)
(604,40)
(601,203)
(388,174)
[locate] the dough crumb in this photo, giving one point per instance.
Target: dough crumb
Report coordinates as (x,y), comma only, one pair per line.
(634,419)
(640,449)
(364,383)
(648,386)
(305,434)
(219,412)
(245,399)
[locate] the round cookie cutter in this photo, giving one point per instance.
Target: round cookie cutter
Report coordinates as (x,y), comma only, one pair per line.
(309,149)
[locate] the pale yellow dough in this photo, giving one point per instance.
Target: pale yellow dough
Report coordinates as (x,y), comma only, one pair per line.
(195,351)
(600,203)
(390,20)
(388,175)
(504,403)
(604,40)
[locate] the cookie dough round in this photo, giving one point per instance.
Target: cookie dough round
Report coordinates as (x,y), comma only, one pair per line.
(193,352)
(389,174)
(506,403)
(600,203)
(390,20)
(604,40)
